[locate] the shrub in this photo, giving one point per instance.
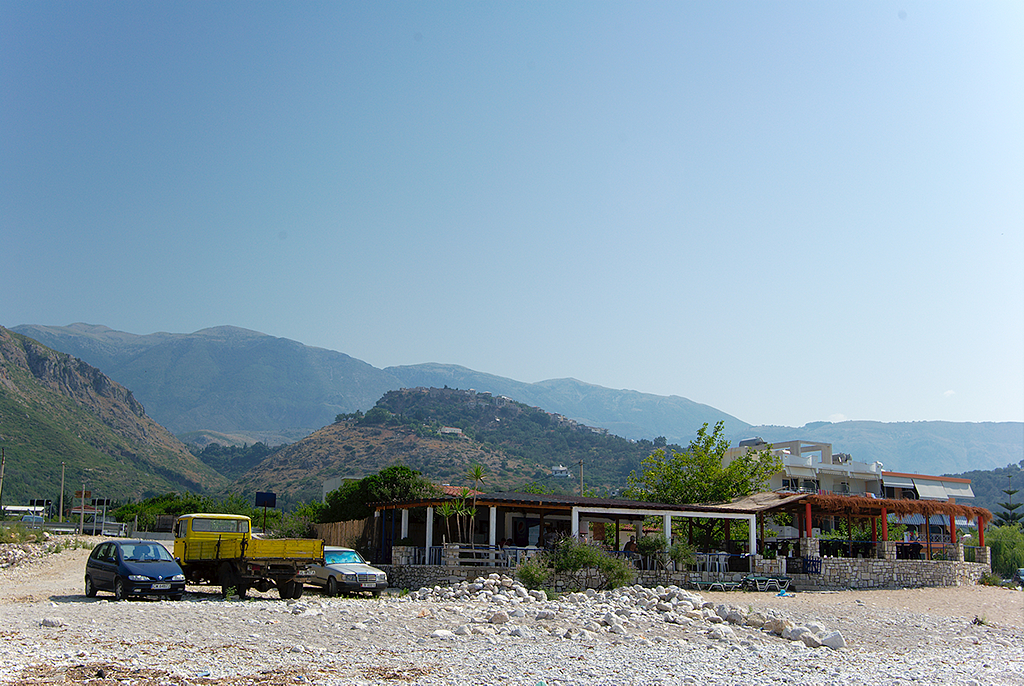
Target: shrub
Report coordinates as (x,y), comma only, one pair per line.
(990,579)
(616,571)
(575,558)
(682,554)
(1007,543)
(534,573)
(651,545)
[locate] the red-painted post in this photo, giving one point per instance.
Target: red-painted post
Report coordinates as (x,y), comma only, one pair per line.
(885,525)
(807,516)
(981,533)
(952,529)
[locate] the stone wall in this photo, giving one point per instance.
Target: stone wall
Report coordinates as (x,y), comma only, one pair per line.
(838,573)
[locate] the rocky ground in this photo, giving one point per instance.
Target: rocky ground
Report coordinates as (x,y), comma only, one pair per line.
(496,632)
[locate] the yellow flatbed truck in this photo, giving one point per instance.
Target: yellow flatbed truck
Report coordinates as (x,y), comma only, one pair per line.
(219,549)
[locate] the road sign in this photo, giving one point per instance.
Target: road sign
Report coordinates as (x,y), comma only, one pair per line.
(101,502)
(266,499)
(83,494)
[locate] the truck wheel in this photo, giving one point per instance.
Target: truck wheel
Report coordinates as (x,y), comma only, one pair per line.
(332,587)
(285,589)
(297,591)
(242,591)
(226,577)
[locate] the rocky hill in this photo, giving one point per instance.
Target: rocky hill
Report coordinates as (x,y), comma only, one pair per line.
(441,432)
(56,408)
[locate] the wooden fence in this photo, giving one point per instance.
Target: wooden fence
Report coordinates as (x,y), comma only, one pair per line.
(351,534)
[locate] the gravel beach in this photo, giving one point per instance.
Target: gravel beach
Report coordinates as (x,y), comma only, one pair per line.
(495,632)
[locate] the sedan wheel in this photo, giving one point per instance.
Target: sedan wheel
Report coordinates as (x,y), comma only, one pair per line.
(119,593)
(90,589)
(332,587)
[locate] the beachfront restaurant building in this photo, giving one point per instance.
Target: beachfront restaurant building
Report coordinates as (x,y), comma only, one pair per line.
(418,546)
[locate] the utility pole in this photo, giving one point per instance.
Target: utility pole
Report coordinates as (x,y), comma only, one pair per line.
(3,463)
(581,477)
(60,513)
(81,519)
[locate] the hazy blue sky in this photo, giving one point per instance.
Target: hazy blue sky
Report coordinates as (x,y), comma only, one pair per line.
(792,211)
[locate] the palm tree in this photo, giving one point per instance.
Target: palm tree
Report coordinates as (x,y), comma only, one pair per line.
(447,510)
(478,475)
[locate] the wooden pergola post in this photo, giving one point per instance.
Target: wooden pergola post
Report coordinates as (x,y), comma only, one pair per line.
(874,529)
(807,517)
(885,525)
(952,529)
(981,532)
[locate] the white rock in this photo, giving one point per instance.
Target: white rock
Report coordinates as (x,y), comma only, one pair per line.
(833,640)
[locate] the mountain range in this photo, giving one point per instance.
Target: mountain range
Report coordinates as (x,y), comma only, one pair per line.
(251,386)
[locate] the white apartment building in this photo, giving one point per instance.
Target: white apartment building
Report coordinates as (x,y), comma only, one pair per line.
(811,467)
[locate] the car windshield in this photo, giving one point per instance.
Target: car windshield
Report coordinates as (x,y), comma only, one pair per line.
(143,552)
(343,557)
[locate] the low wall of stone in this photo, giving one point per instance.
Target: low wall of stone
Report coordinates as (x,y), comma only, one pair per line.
(839,573)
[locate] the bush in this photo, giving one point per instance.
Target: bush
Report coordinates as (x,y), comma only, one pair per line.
(533,573)
(616,571)
(682,554)
(990,579)
(651,545)
(1007,543)
(575,557)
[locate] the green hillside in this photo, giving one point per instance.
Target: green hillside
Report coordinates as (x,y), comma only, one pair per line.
(55,408)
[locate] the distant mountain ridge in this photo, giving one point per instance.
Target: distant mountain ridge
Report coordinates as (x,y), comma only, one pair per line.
(56,408)
(232,380)
(244,383)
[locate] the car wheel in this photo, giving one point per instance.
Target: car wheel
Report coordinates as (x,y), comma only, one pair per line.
(90,589)
(119,593)
(376,594)
(332,587)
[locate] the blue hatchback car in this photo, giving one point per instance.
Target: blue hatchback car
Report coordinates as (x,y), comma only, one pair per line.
(132,569)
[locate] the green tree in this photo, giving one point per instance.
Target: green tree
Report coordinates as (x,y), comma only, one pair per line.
(698,475)
(478,475)
(394,484)
(1007,544)
(1009,516)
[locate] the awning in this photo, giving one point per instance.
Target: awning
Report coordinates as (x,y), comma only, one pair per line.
(930,490)
(938,520)
(801,472)
(897,481)
(958,490)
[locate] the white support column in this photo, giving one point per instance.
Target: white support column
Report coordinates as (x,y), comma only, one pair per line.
(752,536)
(575,522)
(493,526)
(430,529)
(667,521)
(405,523)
